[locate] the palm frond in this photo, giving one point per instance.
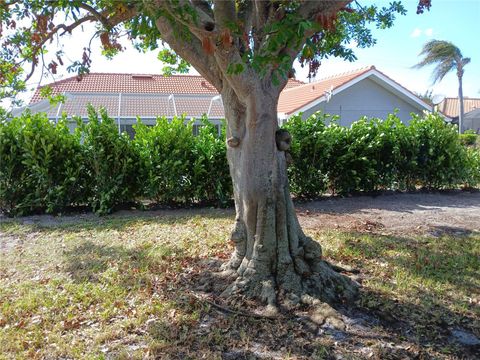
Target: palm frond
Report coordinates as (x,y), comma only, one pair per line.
(441,70)
(444,54)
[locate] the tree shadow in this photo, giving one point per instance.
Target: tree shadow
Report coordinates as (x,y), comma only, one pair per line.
(88,262)
(380,325)
(420,323)
(374,324)
(436,262)
(117,221)
(453,231)
(425,257)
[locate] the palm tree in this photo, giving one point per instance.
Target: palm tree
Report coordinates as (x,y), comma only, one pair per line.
(447,57)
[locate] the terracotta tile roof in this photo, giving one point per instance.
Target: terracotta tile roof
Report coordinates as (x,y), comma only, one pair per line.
(147,95)
(450,106)
(293,83)
(296,97)
(134,83)
(142,105)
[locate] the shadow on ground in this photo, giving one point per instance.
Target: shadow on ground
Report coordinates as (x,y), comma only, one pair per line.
(379,326)
(118,221)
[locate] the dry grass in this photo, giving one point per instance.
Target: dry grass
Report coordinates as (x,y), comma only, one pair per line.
(118,287)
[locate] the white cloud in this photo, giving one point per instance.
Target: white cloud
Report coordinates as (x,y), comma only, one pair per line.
(416,33)
(419,32)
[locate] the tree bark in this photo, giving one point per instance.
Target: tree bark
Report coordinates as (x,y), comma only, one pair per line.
(273,260)
(461,113)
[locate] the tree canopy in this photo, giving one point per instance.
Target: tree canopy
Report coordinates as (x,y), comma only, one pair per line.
(228,37)
(246,50)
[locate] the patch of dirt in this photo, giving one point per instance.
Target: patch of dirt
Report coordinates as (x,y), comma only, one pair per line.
(455,213)
(452,213)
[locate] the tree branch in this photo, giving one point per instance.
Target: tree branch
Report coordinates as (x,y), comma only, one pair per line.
(191,50)
(309,8)
(108,22)
(95,13)
(260,13)
(67,28)
(204,27)
(224,12)
(204,6)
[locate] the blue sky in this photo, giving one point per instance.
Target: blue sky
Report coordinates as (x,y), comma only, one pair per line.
(397,48)
(394,54)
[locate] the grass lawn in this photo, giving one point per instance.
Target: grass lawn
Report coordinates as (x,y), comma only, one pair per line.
(123,286)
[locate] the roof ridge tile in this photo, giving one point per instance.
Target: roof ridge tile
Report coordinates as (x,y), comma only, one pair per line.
(349,72)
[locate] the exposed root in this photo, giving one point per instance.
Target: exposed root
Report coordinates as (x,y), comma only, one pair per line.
(292,274)
(343,268)
(314,282)
(232,311)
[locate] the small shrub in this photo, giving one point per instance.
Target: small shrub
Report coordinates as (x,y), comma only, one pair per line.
(166,160)
(375,154)
(211,180)
(42,167)
(310,150)
(468,138)
(405,152)
(362,156)
(440,156)
(111,161)
(471,169)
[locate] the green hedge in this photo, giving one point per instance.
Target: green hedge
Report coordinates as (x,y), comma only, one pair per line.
(468,138)
(46,168)
(210,173)
(42,166)
(376,154)
(177,167)
(166,153)
(111,164)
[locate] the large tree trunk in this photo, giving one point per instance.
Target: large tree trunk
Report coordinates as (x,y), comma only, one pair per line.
(273,259)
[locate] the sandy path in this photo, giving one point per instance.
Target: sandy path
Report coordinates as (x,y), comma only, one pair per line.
(435,213)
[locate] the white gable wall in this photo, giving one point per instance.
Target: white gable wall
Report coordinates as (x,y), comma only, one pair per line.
(365,97)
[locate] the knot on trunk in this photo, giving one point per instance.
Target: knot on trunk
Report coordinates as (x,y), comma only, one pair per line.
(312,249)
(238,233)
(233,141)
(288,158)
(283,139)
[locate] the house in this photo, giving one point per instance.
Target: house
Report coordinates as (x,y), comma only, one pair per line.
(471,121)
(365,92)
(125,96)
(451,108)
